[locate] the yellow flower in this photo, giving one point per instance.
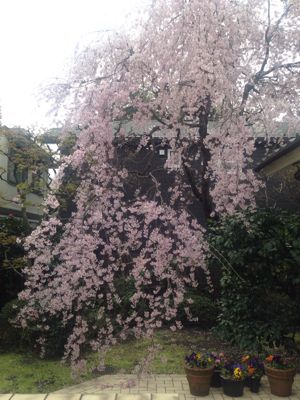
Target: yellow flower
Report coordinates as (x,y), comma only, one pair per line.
(198,356)
(237,373)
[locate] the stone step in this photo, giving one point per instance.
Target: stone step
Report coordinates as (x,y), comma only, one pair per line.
(99,396)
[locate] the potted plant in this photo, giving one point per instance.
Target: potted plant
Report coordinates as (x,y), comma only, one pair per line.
(233,377)
(255,371)
(216,380)
(280,375)
(199,369)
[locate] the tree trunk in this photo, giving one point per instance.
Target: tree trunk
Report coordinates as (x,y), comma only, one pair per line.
(204,157)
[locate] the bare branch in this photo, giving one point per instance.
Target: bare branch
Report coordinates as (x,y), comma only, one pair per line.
(250,86)
(288,66)
(267,42)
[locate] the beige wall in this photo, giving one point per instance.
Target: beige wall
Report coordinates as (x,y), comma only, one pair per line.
(283,162)
(282,189)
(8,191)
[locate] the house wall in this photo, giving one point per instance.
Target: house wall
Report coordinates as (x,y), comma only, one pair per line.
(282,189)
(9,191)
(281,163)
(146,169)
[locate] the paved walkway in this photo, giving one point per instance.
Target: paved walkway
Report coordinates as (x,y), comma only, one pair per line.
(153,387)
(103,396)
(128,384)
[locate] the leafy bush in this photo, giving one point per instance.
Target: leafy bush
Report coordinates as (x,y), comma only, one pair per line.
(12,336)
(259,253)
(9,334)
(57,334)
(204,308)
(11,257)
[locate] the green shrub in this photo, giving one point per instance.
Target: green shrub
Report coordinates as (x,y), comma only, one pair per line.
(11,257)
(17,337)
(9,334)
(259,253)
(204,308)
(57,334)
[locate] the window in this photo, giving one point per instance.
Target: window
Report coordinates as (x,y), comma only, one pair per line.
(174,159)
(37,183)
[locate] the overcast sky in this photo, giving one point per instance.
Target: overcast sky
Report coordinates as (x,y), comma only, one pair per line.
(37,38)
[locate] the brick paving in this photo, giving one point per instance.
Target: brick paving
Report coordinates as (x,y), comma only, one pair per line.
(152,387)
(167,384)
(101,396)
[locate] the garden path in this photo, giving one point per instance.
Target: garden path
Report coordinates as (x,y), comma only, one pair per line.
(152,387)
(167,384)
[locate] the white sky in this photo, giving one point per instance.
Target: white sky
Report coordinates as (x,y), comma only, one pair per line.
(37,37)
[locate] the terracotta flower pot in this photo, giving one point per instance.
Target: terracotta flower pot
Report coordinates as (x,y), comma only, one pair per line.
(199,380)
(233,388)
(280,380)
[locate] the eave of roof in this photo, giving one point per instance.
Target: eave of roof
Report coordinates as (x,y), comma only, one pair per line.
(286,150)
